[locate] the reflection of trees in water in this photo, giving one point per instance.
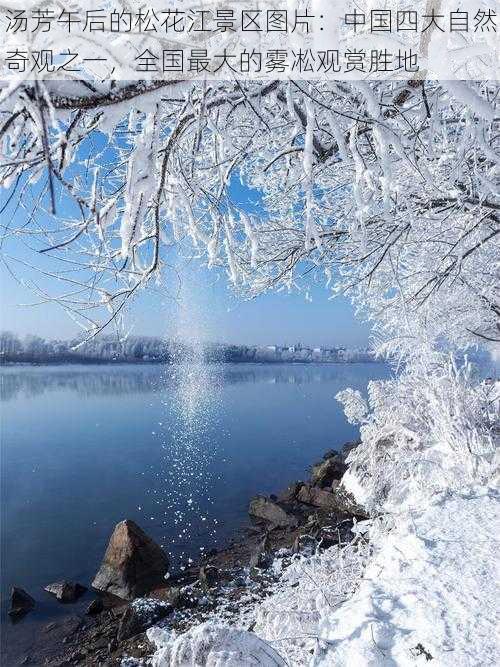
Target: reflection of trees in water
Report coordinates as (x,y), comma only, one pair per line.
(298,373)
(101,381)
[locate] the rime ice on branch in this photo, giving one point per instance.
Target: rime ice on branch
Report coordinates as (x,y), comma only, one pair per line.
(388,189)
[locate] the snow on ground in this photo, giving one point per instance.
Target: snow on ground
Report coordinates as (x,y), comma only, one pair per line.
(428,591)
(431,590)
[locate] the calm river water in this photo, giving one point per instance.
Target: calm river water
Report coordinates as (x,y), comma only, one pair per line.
(180,450)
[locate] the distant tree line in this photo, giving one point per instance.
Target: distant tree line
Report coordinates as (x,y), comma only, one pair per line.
(135,349)
(34,348)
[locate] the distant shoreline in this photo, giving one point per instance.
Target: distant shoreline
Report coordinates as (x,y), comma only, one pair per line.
(151,349)
(153,362)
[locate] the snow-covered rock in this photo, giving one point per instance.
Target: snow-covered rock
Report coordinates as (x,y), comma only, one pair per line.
(213,645)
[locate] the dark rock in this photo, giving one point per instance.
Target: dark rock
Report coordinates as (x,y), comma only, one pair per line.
(268,510)
(208,576)
(290,493)
(65,591)
(20,603)
(329,454)
(141,615)
(95,607)
(326,472)
(312,495)
(261,559)
(133,563)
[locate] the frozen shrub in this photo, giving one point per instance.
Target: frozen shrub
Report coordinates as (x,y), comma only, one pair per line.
(430,429)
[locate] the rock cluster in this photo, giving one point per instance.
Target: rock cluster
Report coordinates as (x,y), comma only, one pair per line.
(323,491)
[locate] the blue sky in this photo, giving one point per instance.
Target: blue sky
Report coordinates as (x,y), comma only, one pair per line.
(269,318)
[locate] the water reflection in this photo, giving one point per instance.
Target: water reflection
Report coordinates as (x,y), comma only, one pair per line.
(87,381)
(31,382)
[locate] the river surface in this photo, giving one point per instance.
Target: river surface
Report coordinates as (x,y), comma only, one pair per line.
(179,449)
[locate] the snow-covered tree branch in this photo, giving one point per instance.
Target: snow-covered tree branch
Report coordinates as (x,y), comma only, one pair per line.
(384,190)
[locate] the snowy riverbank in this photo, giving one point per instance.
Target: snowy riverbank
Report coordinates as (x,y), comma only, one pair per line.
(403,589)
(224,585)
(428,593)
(415,583)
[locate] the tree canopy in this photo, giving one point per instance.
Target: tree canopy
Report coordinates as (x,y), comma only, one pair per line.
(385,191)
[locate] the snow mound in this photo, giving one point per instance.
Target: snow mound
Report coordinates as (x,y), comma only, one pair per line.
(214,646)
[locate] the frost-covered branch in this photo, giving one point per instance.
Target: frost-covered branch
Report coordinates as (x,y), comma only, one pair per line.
(387,189)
